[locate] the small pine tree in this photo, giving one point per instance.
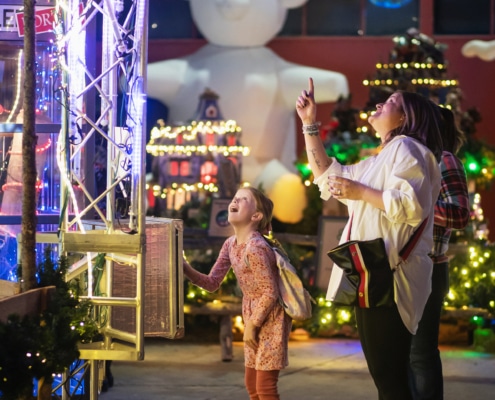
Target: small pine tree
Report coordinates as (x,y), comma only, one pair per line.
(39,346)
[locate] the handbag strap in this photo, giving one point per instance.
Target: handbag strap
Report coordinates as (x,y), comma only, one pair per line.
(409,246)
(411,243)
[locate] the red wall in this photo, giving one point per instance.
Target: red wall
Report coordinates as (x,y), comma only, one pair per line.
(356,58)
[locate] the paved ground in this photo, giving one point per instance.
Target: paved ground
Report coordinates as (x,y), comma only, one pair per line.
(319,369)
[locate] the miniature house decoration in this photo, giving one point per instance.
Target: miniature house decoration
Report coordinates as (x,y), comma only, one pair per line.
(198,156)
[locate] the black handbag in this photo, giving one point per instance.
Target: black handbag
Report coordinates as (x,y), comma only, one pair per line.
(368,280)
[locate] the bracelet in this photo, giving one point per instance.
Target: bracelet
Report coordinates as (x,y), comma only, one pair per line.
(311,130)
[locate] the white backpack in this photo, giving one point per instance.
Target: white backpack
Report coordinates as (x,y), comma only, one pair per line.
(295,299)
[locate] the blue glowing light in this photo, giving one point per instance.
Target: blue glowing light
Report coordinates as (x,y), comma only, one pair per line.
(390,3)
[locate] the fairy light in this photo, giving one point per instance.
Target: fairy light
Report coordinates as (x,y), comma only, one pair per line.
(161,150)
(43,148)
(417,82)
(344,315)
(20,63)
(195,149)
(19,186)
(238,323)
(194,136)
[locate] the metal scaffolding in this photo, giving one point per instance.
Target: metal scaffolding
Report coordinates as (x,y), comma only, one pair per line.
(104,106)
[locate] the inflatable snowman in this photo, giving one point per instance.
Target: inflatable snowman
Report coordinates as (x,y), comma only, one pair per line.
(257,88)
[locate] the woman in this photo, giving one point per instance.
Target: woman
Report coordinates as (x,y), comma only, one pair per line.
(451,212)
(388,195)
(266,325)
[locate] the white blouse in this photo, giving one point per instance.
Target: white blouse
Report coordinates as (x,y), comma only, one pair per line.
(409,176)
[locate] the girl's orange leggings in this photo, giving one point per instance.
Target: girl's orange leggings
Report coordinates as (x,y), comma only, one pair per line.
(261,385)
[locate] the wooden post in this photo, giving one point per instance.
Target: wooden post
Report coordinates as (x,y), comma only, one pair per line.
(225,310)
(226,337)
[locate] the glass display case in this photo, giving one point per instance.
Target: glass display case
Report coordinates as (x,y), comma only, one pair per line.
(48,123)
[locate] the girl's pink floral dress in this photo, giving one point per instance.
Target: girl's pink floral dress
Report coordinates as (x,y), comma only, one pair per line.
(254,265)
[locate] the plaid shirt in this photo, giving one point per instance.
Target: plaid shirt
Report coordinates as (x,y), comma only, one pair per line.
(452,206)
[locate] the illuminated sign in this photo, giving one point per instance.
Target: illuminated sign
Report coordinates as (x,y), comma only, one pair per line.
(12,19)
(43,20)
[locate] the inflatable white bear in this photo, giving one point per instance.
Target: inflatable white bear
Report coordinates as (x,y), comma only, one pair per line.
(256,87)
(479,48)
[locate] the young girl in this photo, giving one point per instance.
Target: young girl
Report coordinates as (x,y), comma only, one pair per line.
(266,325)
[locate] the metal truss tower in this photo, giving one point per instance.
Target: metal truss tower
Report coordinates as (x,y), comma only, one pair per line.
(104,103)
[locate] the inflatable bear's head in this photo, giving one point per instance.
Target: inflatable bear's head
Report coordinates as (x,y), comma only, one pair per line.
(241,23)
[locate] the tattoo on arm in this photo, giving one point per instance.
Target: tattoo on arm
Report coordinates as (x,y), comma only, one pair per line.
(317,161)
